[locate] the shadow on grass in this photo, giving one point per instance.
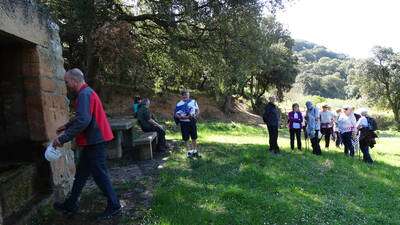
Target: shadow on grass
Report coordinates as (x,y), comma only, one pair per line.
(243,184)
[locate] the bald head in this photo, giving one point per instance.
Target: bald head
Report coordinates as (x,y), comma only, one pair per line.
(272,99)
(74,79)
(75,74)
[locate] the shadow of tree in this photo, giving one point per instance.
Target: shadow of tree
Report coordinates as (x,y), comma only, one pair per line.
(244,184)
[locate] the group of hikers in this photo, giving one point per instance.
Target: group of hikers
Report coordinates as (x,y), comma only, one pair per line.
(345,126)
(91,130)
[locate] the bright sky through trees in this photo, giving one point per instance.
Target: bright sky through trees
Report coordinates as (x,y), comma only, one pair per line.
(352,27)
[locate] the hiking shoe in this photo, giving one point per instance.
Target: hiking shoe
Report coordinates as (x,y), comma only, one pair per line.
(65,208)
(190,154)
(109,213)
(196,153)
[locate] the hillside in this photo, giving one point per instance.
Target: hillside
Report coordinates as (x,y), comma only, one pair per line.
(323,72)
(163,107)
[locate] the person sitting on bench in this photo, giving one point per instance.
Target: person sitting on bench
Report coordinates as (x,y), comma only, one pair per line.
(148,124)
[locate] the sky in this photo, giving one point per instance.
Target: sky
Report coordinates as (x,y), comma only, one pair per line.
(351,27)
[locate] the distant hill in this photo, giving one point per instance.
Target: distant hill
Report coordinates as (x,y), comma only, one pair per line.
(321,71)
(311,52)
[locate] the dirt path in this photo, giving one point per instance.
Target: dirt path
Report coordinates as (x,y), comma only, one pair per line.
(134,182)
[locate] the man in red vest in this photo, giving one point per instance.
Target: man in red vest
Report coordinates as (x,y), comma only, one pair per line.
(91,131)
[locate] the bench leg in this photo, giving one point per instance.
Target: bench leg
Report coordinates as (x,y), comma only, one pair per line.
(145,151)
(115,146)
(127,138)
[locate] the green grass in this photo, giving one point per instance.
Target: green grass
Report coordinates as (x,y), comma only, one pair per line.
(238,182)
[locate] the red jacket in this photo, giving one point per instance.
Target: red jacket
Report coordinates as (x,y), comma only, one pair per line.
(90,125)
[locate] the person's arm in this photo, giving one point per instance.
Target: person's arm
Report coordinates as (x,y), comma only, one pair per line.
(196,109)
(317,116)
(332,119)
(298,120)
(265,114)
(81,121)
(149,118)
(62,128)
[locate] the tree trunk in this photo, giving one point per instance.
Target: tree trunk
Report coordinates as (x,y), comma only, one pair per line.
(92,64)
(396,118)
(228,106)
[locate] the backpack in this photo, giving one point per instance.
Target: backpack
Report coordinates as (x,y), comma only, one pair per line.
(372,125)
(184,106)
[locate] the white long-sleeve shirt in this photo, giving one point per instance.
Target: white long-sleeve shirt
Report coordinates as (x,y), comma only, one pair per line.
(346,123)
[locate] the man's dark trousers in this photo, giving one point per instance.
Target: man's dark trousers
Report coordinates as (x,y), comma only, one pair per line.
(160,136)
(327,132)
(92,161)
(315,144)
(273,138)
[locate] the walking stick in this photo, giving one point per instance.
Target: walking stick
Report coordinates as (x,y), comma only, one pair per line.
(305,138)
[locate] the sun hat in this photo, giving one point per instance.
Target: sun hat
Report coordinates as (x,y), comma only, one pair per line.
(362,111)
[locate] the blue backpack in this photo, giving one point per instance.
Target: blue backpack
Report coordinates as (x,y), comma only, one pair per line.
(184,108)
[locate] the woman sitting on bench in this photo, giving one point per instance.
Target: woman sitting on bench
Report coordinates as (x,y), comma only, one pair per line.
(148,124)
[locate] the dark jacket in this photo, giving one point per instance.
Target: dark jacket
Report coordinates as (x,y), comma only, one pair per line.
(292,120)
(143,117)
(90,125)
(271,115)
(367,137)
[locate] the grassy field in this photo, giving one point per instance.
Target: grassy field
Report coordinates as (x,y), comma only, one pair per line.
(238,182)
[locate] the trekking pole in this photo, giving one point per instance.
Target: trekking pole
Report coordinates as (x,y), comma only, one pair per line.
(307,144)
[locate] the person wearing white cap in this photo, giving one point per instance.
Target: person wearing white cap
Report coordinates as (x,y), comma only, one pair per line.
(327,118)
(365,135)
(347,128)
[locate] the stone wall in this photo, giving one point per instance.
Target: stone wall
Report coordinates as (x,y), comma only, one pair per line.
(39,72)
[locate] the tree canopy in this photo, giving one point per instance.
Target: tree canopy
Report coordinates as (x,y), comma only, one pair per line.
(378,78)
(223,47)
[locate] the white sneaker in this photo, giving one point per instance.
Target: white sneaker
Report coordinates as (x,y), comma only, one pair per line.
(190,154)
(195,153)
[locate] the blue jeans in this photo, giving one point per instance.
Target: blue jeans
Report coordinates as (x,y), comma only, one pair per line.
(346,140)
(93,162)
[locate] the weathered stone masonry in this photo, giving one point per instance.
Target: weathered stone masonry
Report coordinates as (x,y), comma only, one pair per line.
(32,96)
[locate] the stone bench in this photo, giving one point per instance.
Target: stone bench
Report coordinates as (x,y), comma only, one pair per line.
(123,136)
(144,145)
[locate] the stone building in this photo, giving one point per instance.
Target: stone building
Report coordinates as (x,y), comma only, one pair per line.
(32,105)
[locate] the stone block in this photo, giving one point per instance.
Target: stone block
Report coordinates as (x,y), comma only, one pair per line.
(30,69)
(63,172)
(47,84)
(35,117)
(30,55)
(55,113)
(32,86)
